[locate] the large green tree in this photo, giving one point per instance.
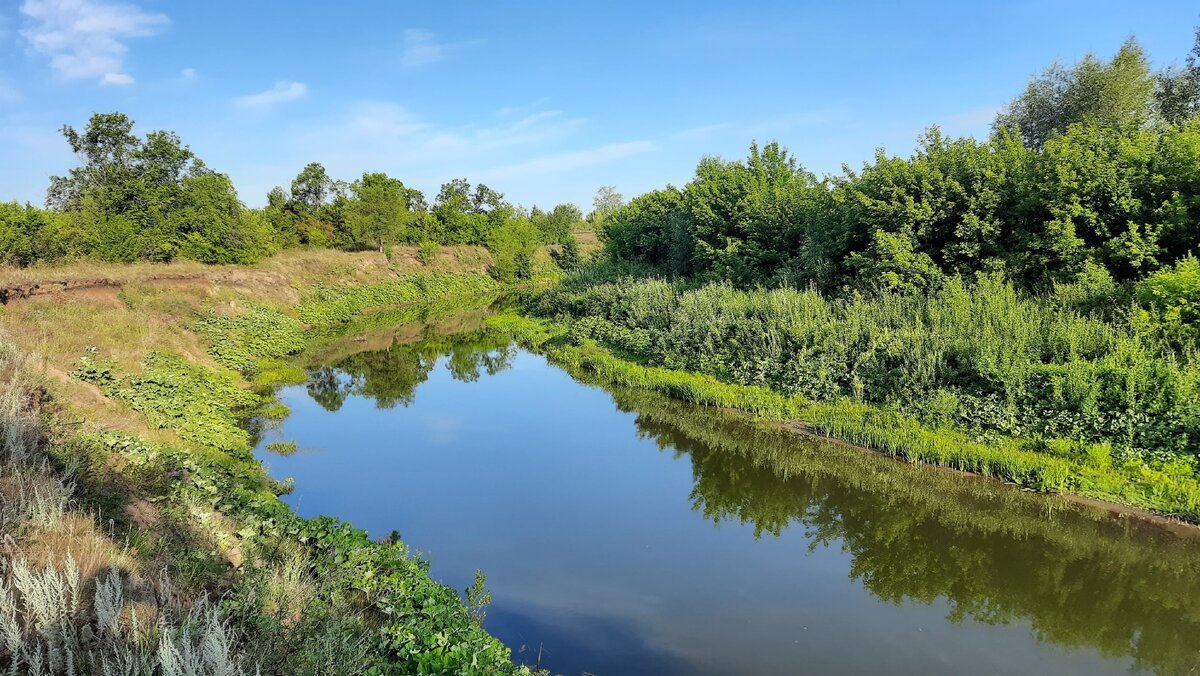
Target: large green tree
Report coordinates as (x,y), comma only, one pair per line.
(1178,91)
(1118,92)
(378,214)
(148,198)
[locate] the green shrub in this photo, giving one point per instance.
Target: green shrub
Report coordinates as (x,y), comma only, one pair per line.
(428,251)
(980,355)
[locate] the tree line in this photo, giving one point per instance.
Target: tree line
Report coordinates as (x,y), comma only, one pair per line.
(1094,170)
(151,198)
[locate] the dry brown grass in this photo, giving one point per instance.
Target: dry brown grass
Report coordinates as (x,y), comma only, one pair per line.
(77,537)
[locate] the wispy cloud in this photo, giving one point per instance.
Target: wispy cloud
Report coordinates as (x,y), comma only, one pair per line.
(561,162)
(525,109)
(387,136)
(701,133)
(282,92)
(84,39)
(188,74)
(116,80)
(421,47)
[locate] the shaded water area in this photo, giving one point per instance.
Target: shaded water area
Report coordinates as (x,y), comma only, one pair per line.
(625,533)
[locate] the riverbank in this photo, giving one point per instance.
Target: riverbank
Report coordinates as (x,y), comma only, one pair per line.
(148,385)
(129,483)
(1165,495)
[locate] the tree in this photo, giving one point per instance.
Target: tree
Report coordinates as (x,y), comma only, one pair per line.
(513,246)
(311,187)
(556,226)
(569,258)
(891,264)
(120,174)
(148,198)
(605,203)
(1178,93)
(463,217)
(1109,94)
(378,212)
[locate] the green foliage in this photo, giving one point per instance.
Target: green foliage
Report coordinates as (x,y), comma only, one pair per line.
(340,304)
(555,226)
(243,341)
(1109,94)
(570,258)
(980,355)
(1081,170)
(513,246)
(1174,298)
(421,623)
(203,406)
(605,204)
(428,251)
(148,199)
(1178,92)
(22,234)
(282,447)
(891,265)
(460,216)
(378,215)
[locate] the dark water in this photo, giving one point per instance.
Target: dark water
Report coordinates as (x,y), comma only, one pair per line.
(623,533)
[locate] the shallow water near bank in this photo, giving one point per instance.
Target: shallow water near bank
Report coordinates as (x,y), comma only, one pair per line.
(624,533)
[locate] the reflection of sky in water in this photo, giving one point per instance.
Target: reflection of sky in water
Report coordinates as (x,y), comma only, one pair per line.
(591,547)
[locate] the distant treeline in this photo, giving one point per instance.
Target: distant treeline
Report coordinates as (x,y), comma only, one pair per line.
(1094,169)
(152,199)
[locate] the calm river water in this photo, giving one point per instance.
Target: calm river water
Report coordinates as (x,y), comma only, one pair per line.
(623,533)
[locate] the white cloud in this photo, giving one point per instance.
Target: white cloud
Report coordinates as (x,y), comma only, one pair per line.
(526,157)
(84,38)
(282,92)
(188,73)
(116,80)
(701,133)
(562,162)
(420,48)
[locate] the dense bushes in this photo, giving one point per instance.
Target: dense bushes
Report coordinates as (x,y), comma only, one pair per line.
(1107,178)
(978,355)
(1038,284)
(1123,198)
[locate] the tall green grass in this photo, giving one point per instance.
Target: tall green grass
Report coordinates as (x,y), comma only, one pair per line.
(979,356)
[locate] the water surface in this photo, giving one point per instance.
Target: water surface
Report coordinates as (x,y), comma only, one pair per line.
(623,533)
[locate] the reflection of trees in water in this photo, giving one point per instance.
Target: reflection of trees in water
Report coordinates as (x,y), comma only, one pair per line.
(1080,576)
(391,376)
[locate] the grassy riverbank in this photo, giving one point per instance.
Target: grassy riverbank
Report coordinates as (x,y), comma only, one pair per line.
(620,336)
(142,529)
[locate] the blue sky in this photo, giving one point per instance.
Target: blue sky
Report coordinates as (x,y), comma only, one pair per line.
(543,101)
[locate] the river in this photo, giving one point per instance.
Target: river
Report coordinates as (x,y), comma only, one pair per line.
(625,533)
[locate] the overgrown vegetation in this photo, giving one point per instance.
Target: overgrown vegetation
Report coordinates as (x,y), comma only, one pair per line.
(1022,306)
(1025,307)
(1094,167)
(153,199)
